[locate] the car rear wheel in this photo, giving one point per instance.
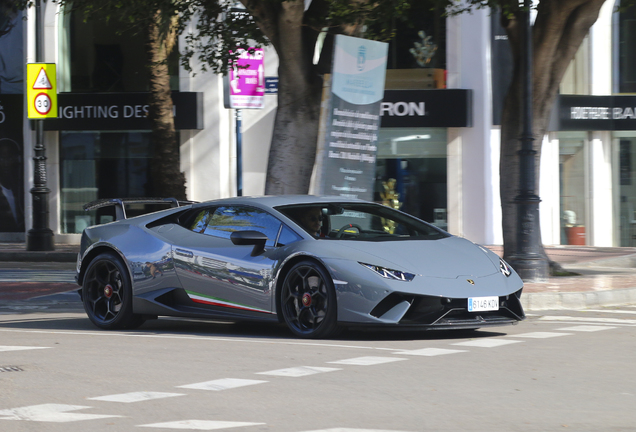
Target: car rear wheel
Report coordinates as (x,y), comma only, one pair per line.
(107,294)
(308,301)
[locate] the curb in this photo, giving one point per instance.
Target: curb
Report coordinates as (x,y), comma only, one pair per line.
(39,256)
(577,300)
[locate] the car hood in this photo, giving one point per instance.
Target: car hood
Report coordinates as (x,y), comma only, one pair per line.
(444,258)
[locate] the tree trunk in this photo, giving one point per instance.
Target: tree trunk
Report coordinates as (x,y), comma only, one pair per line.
(166,178)
(559,30)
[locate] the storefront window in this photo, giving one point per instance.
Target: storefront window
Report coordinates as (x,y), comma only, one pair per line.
(572,186)
(626,176)
(411,172)
(98,165)
(97,56)
(626,36)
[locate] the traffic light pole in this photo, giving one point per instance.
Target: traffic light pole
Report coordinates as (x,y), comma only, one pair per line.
(40,237)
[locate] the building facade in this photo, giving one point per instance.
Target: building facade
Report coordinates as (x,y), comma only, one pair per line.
(438,146)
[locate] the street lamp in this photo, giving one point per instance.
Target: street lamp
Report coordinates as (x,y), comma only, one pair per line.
(40,237)
(528,259)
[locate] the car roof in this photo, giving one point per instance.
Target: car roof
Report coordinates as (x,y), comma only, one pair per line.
(279,200)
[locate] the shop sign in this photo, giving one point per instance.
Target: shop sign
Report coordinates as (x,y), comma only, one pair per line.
(595,113)
(121,111)
(427,108)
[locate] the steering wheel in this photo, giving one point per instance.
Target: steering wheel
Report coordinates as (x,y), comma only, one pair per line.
(341,231)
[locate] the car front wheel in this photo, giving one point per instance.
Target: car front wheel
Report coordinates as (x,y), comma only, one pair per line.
(308,301)
(107,294)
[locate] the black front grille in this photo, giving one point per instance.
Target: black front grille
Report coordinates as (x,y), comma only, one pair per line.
(444,312)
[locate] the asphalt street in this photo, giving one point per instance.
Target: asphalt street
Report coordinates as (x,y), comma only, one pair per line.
(558,370)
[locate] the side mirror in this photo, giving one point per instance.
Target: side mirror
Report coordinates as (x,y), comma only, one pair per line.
(249,238)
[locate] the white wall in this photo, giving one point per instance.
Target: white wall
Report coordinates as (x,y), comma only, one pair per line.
(468,63)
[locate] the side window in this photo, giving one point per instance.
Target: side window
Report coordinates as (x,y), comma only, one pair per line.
(287,236)
(225,220)
(196,220)
(200,221)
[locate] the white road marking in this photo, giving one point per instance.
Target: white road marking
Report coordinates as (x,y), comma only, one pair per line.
(367,361)
(56,413)
(487,343)
(589,319)
(135,397)
(299,371)
(429,352)
(19,348)
(541,335)
(198,338)
(222,384)
(612,311)
(586,328)
(200,425)
(353,430)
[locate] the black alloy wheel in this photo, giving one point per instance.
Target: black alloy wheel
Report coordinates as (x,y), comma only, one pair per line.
(107,294)
(308,301)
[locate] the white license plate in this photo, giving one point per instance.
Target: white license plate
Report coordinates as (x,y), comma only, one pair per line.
(481,304)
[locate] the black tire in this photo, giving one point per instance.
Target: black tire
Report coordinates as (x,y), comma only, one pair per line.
(308,301)
(107,294)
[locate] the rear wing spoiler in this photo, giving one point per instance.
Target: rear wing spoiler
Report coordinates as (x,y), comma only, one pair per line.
(119,203)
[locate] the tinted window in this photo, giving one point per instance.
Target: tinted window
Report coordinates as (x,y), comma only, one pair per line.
(287,236)
(225,220)
(200,220)
(368,222)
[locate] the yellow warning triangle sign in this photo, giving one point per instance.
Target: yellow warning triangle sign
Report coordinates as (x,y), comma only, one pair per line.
(42,81)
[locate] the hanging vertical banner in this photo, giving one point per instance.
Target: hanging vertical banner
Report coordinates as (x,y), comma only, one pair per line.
(41,90)
(345,163)
(244,86)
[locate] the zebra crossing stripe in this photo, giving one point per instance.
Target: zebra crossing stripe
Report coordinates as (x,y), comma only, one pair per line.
(586,328)
(487,343)
(222,384)
(590,320)
(299,371)
(135,397)
(19,348)
(367,361)
(54,413)
(430,352)
(200,425)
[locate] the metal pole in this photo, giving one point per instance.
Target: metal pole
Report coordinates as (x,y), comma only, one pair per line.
(528,260)
(40,237)
(239,155)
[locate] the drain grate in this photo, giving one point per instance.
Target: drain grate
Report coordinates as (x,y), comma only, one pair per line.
(11,369)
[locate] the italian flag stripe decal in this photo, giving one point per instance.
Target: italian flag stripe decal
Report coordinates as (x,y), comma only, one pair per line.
(215,301)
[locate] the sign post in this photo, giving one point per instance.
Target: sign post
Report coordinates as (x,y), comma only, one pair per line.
(244,88)
(42,103)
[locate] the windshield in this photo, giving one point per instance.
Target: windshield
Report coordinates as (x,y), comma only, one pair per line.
(359,221)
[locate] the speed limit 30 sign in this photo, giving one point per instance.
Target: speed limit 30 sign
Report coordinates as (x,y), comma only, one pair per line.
(41,90)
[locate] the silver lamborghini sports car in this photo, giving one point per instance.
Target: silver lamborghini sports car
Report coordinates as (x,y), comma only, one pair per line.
(315,263)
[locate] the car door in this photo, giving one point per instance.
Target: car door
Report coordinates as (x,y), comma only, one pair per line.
(220,275)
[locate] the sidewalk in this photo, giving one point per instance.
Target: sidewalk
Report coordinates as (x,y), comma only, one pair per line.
(606,276)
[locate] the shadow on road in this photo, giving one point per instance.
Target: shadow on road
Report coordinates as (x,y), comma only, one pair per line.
(59,317)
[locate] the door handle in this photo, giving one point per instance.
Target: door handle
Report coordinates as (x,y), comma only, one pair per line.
(184,253)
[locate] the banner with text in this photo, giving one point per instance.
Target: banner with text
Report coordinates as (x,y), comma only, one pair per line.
(348,142)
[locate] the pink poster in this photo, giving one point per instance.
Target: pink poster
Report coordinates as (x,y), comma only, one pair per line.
(247,81)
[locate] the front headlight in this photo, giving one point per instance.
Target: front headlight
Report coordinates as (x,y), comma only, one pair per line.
(390,273)
(504,267)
